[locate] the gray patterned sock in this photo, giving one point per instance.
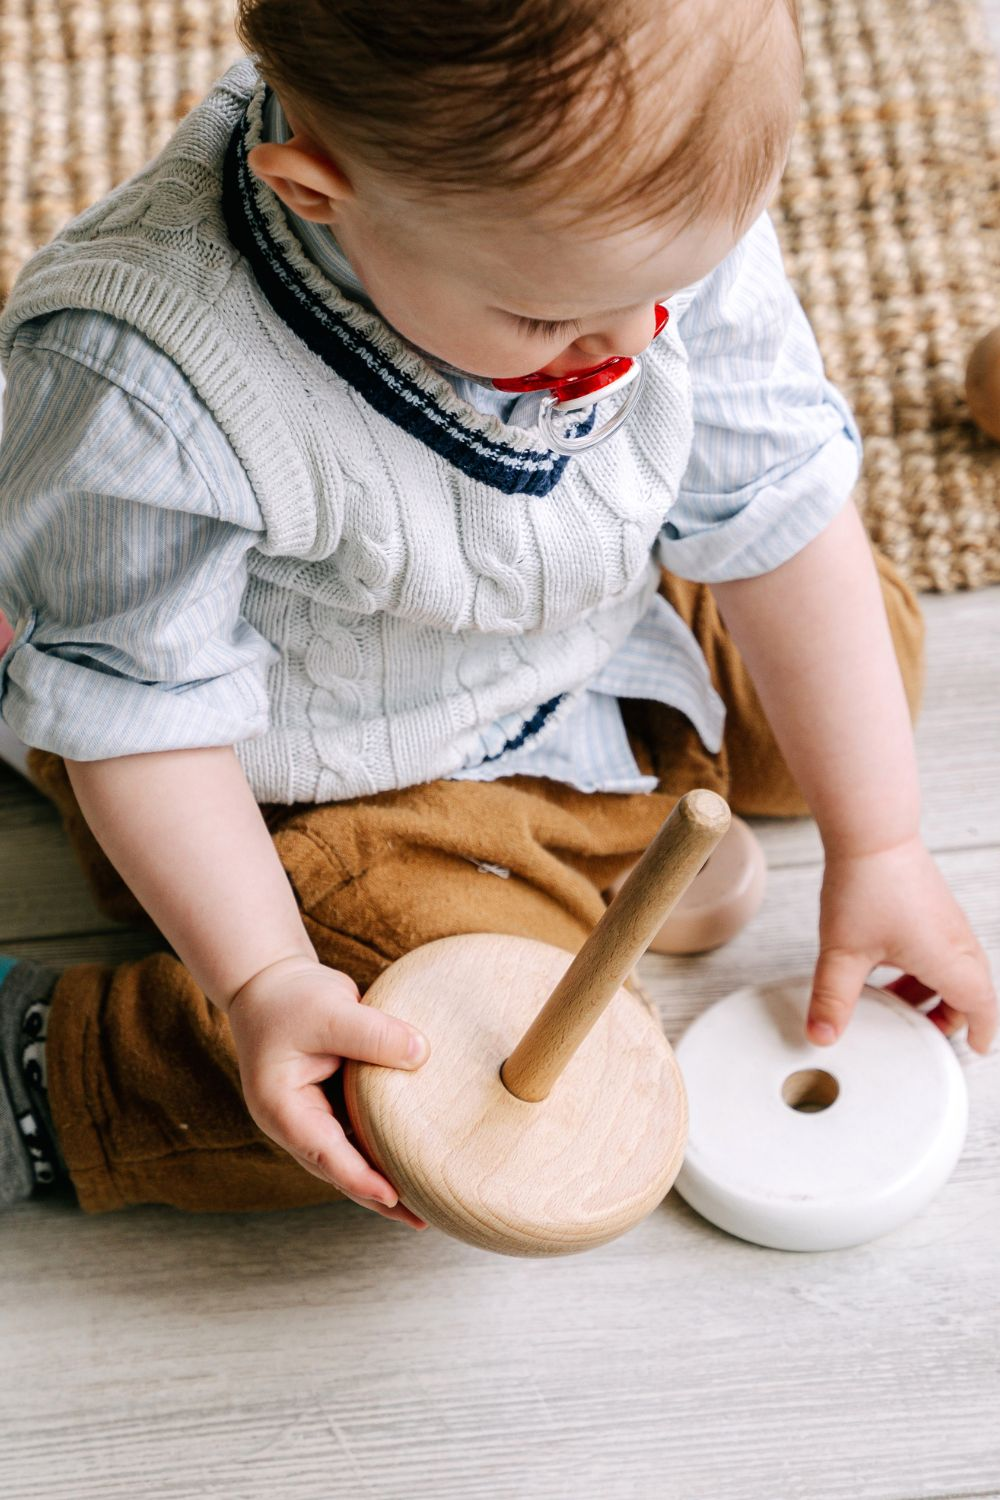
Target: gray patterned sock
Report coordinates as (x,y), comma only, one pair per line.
(29,1152)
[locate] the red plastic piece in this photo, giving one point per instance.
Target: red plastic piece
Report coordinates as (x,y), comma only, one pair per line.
(580,382)
(909,989)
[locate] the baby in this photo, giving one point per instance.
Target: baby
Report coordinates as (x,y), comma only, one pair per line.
(335,647)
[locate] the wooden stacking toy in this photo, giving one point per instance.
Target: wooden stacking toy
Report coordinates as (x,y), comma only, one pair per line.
(720,901)
(802,1147)
(551,1114)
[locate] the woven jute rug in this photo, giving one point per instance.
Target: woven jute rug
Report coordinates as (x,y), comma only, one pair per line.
(888,215)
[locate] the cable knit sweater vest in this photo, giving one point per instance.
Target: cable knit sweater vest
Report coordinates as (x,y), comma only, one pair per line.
(425,569)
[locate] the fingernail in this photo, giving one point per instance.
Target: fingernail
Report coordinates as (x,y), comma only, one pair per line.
(417,1049)
(382,1202)
(822,1031)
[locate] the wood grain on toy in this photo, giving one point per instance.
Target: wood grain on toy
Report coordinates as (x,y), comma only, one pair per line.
(551,1114)
(726,896)
(520,1178)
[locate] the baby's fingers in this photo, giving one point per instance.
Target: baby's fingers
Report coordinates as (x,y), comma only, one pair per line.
(944,1016)
(963,975)
(306,1128)
(374,1036)
(837,983)
(401,1213)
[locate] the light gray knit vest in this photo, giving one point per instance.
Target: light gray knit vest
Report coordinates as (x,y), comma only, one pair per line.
(426,569)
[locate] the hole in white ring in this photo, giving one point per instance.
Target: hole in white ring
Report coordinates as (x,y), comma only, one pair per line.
(810,1090)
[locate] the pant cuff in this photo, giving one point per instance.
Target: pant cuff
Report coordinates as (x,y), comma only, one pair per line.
(73,1075)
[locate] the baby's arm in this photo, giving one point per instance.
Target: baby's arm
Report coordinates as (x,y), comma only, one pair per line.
(815,637)
(185,833)
(128,599)
(183,829)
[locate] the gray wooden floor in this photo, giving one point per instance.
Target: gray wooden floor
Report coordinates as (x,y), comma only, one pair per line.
(327,1353)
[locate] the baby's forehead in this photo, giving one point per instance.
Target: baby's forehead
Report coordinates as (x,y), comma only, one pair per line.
(512,263)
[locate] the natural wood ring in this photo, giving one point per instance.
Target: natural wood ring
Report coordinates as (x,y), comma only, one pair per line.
(547,1178)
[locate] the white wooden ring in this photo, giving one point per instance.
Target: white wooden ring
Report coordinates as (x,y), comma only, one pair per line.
(800,1147)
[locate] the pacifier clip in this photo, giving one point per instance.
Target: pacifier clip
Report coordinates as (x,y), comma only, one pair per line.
(580,388)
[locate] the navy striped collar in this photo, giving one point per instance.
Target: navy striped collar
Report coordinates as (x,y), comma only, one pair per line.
(361,347)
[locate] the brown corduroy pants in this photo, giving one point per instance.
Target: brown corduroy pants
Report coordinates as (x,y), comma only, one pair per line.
(143,1081)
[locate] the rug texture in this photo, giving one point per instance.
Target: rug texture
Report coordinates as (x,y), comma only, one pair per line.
(888,215)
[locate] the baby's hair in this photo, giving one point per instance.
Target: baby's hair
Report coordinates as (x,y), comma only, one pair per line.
(543,96)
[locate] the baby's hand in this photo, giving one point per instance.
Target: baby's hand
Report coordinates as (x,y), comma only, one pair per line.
(894,907)
(292,1025)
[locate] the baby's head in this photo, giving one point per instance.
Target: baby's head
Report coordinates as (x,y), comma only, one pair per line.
(518,182)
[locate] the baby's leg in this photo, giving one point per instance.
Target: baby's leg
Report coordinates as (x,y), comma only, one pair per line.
(143,1081)
(750,771)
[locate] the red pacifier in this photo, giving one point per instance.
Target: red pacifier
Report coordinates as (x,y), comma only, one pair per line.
(579,388)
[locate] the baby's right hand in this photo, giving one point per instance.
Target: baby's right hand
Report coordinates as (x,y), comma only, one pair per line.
(292,1025)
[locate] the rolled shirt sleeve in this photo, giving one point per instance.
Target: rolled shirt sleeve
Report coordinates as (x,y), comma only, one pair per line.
(776,450)
(125,524)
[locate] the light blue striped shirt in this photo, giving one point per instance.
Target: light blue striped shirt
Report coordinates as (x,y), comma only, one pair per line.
(125,515)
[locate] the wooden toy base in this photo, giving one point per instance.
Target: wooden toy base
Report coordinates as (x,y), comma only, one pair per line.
(569,1172)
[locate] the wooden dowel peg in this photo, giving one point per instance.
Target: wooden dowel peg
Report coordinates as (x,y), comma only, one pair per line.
(619,940)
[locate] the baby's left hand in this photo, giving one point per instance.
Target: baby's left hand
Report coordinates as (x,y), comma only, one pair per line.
(894,907)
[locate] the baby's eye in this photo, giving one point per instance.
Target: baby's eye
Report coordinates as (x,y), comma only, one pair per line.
(547,327)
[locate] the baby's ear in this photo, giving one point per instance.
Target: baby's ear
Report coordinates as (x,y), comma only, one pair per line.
(311,185)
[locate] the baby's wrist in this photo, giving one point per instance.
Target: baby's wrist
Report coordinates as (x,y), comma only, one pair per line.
(846,844)
(870,822)
(279,967)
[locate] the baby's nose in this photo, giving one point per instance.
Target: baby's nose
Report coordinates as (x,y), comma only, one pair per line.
(629,333)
